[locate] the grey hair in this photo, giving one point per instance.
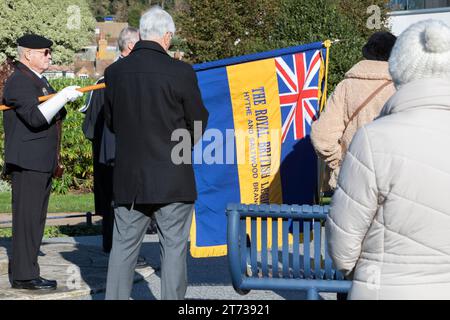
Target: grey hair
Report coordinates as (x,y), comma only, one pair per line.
(126,36)
(155,23)
(20,52)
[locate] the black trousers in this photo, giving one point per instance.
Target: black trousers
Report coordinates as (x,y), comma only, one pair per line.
(30,194)
(103,197)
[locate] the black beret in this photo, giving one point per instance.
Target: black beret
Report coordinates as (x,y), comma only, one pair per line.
(379,46)
(33,41)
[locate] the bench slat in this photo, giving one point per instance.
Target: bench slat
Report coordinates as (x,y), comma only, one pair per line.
(243,241)
(296,249)
(329,272)
(306,249)
(264,264)
(285,248)
(254,248)
(275,248)
(317,250)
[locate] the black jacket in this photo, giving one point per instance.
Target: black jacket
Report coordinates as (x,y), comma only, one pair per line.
(95,129)
(93,121)
(30,142)
(148,96)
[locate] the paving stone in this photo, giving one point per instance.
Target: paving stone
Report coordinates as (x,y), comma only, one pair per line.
(79,269)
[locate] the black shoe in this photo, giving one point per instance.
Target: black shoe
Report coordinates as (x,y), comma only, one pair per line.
(141,262)
(35,284)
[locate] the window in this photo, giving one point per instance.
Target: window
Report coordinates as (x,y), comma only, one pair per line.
(397,5)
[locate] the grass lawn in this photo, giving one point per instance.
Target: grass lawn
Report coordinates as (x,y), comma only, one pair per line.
(58,203)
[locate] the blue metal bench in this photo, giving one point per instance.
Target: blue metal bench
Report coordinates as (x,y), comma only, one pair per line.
(286,265)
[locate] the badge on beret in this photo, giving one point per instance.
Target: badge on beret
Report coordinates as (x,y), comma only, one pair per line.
(33,41)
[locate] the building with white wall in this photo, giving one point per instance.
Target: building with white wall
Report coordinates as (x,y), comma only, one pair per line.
(406,12)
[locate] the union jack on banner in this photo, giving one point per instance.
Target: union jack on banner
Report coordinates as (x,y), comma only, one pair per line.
(300,92)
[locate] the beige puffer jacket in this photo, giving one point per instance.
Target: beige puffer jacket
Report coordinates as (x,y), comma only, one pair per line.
(360,82)
(390,216)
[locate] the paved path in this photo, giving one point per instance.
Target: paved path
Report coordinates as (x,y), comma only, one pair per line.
(54,219)
(208,277)
(79,269)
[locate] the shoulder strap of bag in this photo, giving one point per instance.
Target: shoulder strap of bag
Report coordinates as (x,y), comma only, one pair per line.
(366,102)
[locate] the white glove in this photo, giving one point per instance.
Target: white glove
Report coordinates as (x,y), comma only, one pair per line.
(51,107)
(72,93)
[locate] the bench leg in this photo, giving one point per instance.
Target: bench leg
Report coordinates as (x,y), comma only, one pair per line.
(312,294)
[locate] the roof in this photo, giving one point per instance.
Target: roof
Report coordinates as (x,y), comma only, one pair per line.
(57,68)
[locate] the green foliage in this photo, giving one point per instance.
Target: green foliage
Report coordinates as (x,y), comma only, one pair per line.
(78,230)
(126,10)
(216,29)
(68,23)
(100,8)
(76,151)
(131,10)
(134,16)
(71,202)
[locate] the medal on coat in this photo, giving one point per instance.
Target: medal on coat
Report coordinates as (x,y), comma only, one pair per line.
(44,91)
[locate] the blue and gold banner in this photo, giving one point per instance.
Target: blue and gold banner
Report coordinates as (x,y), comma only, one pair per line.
(256,148)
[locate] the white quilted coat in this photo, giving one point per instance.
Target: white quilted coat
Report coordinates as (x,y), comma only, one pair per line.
(390,217)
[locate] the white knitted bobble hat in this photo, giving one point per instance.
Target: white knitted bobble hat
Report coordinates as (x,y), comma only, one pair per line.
(421,51)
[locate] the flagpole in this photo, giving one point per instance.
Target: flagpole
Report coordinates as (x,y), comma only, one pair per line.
(327,45)
(321,166)
(45,98)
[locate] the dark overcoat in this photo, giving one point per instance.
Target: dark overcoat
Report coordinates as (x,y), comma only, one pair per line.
(148,96)
(30,142)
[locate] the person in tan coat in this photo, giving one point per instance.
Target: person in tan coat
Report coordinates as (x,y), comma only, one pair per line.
(357,100)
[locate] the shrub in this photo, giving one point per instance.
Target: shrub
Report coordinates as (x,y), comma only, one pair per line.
(76,151)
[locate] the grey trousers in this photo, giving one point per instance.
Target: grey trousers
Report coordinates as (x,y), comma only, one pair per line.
(174,222)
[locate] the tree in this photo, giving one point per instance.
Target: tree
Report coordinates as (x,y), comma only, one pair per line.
(68,23)
(215,29)
(100,8)
(131,10)
(347,20)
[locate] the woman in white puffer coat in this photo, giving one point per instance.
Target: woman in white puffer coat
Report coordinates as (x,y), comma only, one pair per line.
(389,223)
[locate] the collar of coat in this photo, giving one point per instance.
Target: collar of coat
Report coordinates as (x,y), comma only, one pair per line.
(148,45)
(369,70)
(27,70)
(420,94)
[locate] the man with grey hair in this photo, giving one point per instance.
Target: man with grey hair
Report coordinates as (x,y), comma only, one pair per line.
(148,96)
(103,146)
(127,39)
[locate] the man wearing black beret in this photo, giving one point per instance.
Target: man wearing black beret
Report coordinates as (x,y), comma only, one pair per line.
(32,142)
